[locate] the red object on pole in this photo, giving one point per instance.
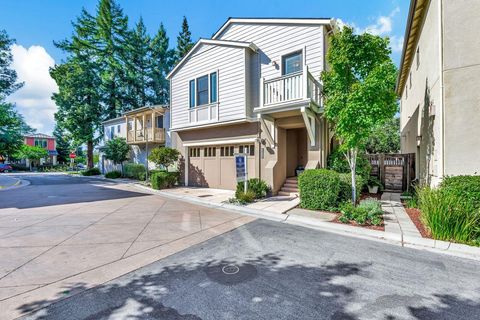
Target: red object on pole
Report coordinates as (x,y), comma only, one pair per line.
(73,155)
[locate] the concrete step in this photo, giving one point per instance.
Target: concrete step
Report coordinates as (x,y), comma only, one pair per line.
(290,185)
(292,179)
(287,189)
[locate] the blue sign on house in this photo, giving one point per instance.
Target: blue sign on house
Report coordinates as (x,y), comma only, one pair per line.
(241,167)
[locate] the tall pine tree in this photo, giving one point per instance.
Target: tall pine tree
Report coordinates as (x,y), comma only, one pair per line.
(138,67)
(111,39)
(162,59)
(184,41)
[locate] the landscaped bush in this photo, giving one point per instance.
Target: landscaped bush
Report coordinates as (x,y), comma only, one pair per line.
(134,171)
(345,193)
(19,167)
(319,189)
(259,188)
(91,172)
(466,188)
(245,197)
(113,174)
(368,212)
(336,161)
(163,179)
(53,168)
(451,214)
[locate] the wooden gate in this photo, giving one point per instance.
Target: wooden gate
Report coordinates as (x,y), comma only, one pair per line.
(395,171)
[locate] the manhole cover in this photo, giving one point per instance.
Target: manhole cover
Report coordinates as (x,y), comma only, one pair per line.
(231,269)
(230,274)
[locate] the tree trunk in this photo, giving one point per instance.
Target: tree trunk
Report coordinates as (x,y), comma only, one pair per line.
(352,161)
(89,154)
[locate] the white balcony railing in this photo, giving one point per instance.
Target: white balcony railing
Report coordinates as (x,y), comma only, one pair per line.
(289,88)
(148,134)
(204,113)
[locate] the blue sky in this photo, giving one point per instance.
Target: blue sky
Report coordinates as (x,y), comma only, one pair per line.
(36,24)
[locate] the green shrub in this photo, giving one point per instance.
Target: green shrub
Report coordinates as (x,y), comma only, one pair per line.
(259,188)
(134,171)
(345,193)
(466,188)
(374,182)
(319,189)
(448,215)
(113,174)
(368,212)
(91,172)
(19,167)
(245,197)
(336,161)
(163,179)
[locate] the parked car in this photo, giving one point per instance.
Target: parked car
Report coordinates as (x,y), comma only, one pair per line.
(5,167)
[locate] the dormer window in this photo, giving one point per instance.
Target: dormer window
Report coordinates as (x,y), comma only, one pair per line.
(203,90)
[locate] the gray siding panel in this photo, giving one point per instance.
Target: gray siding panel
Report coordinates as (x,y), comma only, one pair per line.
(230,63)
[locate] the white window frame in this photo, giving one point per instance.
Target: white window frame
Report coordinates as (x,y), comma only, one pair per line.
(195,79)
(290,52)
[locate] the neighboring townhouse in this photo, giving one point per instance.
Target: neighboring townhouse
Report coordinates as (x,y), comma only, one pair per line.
(143,128)
(252,88)
(44,141)
(438,88)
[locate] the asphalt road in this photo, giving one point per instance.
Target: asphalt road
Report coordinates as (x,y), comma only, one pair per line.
(268,270)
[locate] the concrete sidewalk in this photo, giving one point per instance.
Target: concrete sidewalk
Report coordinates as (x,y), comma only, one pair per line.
(401,231)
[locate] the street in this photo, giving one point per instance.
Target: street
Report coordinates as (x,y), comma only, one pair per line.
(258,269)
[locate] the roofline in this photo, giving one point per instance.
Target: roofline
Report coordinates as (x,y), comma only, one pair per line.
(112,120)
(39,135)
(230,20)
(229,43)
(410,41)
(159,106)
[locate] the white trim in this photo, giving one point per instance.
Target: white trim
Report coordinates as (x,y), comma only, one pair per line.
(272,21)
(212,124)
(238,44)
(292,52)
(219,142)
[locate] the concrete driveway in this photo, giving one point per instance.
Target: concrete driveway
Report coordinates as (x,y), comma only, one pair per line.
(61,229)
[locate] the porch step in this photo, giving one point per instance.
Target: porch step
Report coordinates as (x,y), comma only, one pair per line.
(289,188)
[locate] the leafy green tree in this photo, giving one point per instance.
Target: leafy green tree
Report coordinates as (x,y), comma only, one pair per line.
(162,60)
(12,129)
(184,41)
(138,66)
(359,90)
(117,150)
(8,76)
(12,124)
(31,153)
(79,109)
(385,137)
(164,156)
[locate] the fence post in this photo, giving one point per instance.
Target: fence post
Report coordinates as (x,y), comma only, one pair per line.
(381,168)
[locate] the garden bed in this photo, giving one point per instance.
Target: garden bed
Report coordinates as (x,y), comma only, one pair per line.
(415,215)
(380,227)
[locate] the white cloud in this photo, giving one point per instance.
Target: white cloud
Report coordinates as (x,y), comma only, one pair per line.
(33,100)
(383,26)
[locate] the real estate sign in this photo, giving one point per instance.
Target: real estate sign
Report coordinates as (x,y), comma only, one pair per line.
(241,167)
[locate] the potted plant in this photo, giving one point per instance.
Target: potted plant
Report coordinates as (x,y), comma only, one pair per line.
(374,185)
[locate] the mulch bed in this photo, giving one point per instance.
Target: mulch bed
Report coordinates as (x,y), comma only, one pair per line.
(366,195)
(415,215)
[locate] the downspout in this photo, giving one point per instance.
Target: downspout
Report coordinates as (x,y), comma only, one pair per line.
(442,89)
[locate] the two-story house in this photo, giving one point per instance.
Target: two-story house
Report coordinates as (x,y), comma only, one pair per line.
(143,129)
(43,141)
(438,88)
(252,88)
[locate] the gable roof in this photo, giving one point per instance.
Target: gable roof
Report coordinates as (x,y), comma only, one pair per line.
(416,16)
(39,135)
(238,44)
(230,20)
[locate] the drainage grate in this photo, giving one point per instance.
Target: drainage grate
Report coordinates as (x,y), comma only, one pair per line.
(205,196)
(230,274)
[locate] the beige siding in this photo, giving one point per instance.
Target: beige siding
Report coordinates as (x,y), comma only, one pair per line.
(461,80)
(230,63)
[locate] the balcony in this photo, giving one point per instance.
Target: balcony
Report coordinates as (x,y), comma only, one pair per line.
(291,91)
(145,125)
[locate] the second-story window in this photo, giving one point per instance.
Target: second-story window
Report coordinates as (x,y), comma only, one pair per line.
(292,63)
(203,90)
(112,132)
(118,128)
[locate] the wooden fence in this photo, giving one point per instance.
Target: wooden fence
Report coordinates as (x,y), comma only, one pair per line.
(395,171)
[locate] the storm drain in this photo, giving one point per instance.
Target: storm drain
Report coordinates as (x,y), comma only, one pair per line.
(231,274)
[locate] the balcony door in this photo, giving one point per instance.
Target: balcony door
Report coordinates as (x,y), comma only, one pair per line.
(292,63)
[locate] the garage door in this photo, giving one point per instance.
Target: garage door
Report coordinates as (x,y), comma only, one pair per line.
(214,166)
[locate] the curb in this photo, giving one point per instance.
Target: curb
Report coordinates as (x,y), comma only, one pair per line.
(438,246)
(20,183)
